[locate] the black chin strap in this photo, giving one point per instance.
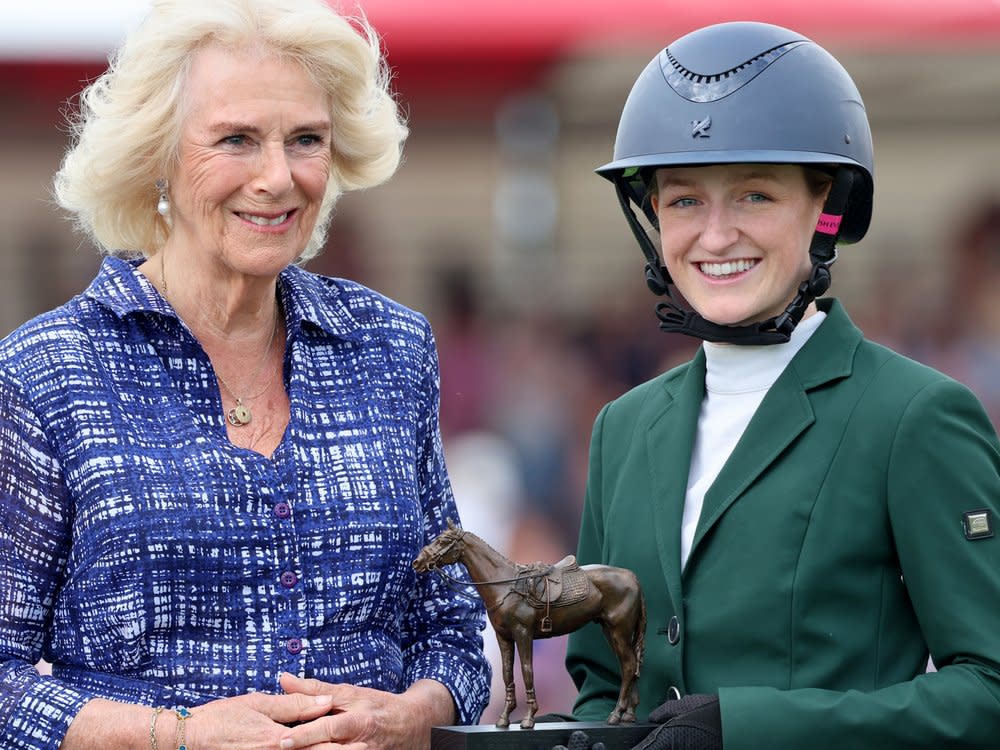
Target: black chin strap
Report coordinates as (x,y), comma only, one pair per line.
(777,330)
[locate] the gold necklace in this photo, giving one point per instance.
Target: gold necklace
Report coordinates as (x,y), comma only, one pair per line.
(240,414)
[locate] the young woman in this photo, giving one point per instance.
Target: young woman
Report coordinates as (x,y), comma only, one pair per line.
(810,514)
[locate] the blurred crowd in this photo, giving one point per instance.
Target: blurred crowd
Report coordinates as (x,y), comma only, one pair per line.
(519,393)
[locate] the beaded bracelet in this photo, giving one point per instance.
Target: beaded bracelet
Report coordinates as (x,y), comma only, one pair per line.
(152,727)
(182,717)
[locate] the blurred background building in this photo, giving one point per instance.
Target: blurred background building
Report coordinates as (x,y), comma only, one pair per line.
(497,228)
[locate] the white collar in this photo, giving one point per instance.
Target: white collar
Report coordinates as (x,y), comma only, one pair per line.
(735,368)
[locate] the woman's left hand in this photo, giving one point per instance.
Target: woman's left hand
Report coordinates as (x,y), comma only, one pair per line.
(365,719)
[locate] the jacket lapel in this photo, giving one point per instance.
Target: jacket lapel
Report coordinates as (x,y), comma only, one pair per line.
(669,444)
(784,414)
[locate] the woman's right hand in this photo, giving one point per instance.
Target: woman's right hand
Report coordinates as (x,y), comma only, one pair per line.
(255,721)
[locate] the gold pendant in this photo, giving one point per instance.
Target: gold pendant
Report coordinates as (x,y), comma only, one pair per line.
(239,415)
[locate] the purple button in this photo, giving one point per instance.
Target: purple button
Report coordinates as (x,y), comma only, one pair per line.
(293,645)
(289,579)
(282,510)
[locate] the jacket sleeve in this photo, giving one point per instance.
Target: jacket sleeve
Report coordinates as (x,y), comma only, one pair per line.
(944,462)
(443,628)
(35,710)
(590,662)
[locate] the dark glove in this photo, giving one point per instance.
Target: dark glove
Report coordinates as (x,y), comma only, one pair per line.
(551,718)
(693,722)
(580,741)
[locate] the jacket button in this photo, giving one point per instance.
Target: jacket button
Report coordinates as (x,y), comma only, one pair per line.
(674,630)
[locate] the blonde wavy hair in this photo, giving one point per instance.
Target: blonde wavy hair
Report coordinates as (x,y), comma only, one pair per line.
(127,129)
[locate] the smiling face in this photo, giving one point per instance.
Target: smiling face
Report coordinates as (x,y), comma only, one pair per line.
(254,160)
(735,237)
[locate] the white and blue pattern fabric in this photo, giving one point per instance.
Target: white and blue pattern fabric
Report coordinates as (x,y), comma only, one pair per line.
(152,561)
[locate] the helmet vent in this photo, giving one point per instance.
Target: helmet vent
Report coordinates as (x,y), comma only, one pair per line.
(697,87)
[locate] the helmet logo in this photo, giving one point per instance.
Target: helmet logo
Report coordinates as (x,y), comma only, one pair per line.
(699,128)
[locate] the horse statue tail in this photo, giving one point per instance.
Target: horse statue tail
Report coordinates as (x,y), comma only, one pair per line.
(639,637)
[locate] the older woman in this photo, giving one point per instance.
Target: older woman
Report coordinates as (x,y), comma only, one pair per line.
(215,467)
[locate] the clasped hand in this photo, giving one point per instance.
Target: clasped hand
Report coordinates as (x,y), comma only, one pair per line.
(315,715)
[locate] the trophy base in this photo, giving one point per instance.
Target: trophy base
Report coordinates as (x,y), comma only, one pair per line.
(545,736)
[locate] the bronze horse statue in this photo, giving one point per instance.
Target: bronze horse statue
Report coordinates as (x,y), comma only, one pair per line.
(525,602)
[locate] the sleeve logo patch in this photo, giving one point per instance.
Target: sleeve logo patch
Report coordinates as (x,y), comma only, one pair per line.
(977,524)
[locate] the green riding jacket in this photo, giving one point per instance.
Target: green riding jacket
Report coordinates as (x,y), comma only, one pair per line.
(852,532)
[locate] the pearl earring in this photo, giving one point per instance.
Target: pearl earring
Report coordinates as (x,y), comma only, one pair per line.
(163,205)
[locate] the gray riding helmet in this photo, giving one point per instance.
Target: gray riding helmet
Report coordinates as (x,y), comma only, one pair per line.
(744,92)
